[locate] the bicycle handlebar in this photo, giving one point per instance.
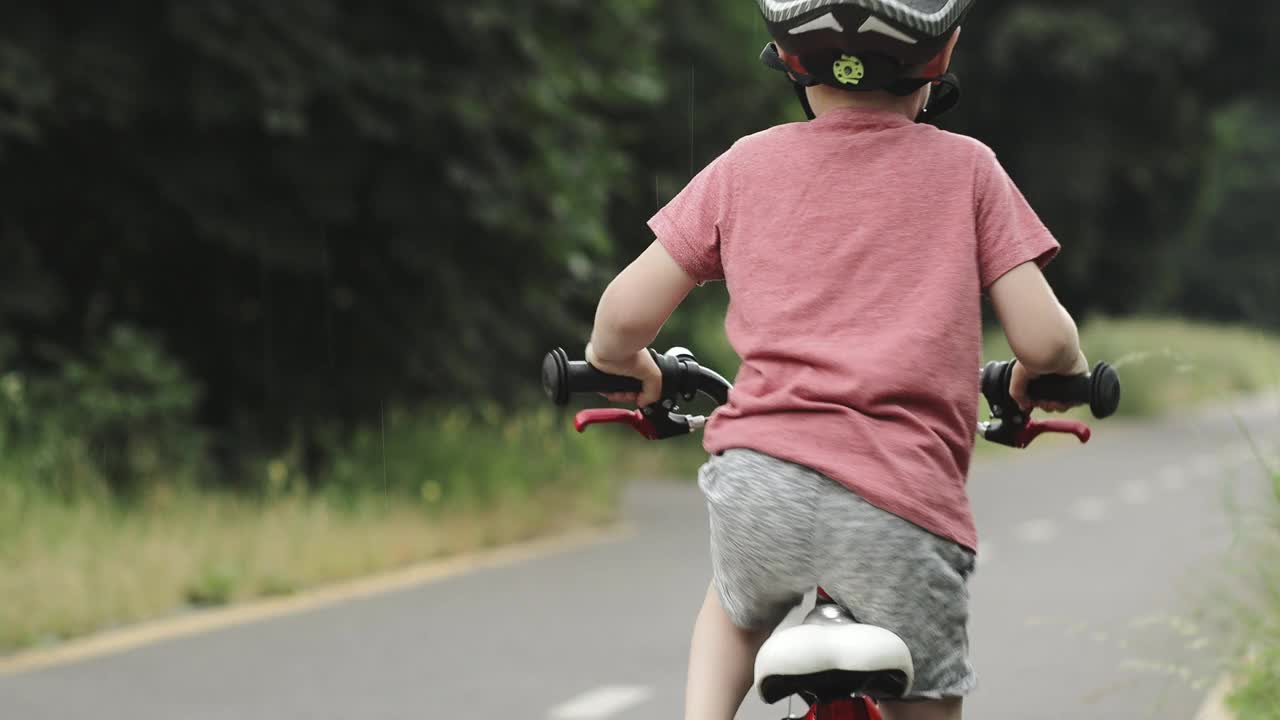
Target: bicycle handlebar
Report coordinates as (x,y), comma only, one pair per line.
(1011,425)
(683,378)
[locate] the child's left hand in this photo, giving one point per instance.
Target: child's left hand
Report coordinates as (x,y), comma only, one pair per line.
(640,366)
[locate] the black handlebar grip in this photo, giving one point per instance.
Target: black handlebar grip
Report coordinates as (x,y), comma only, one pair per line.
(1105,393)
(1073,389)
(562,378)
(1100,389)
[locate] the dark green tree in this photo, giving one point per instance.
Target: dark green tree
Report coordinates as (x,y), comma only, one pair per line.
(320,206)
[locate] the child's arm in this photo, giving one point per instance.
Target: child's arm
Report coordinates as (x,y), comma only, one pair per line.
(631,312)
(1040,331)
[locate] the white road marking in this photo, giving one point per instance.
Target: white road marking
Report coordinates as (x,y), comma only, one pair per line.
(600,703)
(1037,531)
(1173,478)
(1089,509)
(1135,492)
(1205,465)
(1215,705)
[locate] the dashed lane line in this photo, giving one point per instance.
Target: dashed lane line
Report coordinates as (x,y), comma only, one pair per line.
(1135,492)
(1173,478)
(1090,509)
(600,703)
(1041,530)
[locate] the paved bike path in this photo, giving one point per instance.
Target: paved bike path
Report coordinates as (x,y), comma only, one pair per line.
(1094,562)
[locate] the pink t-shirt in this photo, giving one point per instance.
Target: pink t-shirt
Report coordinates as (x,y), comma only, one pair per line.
(856,248)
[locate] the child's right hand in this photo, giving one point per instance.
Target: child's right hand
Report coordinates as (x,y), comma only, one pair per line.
(1022,377)
(640,366)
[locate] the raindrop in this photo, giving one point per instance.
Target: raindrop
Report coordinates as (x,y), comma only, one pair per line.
(386,482)
(693,84)
(327,303)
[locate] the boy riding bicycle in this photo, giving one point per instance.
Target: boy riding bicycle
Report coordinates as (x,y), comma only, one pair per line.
(856,248)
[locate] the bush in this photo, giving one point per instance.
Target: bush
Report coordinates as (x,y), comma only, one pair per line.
(114,421)
(1226,269)
(469,460)
(211,586)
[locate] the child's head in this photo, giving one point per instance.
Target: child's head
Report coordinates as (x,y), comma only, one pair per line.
(884,53)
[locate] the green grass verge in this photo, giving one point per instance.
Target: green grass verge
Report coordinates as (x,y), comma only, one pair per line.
(1256,691)
(1258,695)
(431,486)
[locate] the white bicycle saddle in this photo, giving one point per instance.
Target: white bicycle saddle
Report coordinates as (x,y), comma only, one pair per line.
(830,656)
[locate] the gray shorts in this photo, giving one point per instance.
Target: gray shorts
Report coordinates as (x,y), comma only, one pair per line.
(780,529)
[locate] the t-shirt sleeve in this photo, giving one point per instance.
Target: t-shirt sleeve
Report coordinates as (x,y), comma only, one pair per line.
(692,225)
(1009,231)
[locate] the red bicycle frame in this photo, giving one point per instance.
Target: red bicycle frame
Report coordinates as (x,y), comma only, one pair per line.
(850,709)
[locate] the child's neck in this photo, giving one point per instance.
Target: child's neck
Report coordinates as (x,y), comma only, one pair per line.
(826,100)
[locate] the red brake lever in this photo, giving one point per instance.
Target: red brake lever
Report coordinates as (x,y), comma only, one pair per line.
(1036,428)
(600,416)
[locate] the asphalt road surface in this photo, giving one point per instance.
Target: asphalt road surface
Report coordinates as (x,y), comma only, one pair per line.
(1098,566)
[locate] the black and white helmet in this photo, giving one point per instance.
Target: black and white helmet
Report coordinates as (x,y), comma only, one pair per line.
(859,45)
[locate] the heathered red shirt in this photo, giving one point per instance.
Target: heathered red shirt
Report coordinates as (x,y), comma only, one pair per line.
(856,248)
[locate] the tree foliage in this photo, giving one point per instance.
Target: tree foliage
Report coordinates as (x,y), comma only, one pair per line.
(319,205)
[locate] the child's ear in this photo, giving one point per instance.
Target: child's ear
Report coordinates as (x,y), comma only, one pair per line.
(942,61)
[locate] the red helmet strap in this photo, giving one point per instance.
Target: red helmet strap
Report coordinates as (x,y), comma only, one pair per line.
(792,62)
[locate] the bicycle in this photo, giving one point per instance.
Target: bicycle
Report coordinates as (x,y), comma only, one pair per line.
(840,667)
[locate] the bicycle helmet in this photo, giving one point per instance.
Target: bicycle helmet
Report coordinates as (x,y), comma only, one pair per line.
(862,45)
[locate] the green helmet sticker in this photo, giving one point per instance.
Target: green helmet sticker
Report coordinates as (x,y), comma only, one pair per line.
(848,70)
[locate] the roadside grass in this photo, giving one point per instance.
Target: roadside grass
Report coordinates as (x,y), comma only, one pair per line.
(422,484)
(1255,693)
(446,484)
